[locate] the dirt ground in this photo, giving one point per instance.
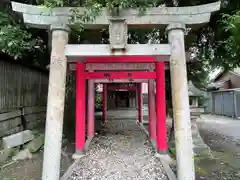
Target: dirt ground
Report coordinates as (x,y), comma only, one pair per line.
(31,169)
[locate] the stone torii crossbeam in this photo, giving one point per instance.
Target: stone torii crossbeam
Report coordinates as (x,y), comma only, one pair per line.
(174,19)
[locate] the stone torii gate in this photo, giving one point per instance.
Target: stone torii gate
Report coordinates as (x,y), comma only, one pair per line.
(174,19)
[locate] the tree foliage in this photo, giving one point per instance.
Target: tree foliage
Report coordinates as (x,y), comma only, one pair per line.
(214,45)
(15,39)
(231,45)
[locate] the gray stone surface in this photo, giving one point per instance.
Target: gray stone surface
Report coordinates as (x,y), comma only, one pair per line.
(5,154)
(121,152)
(22,155)
(38,16)
(17,139)
(84,50)
(191,10)
(35,144)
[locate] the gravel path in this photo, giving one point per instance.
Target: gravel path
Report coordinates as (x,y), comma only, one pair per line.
(122,152)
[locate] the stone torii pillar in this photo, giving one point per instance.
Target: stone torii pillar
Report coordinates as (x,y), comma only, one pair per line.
(180,101)
(55,103)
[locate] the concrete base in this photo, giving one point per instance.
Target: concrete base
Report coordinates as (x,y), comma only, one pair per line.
(166,160)
(154,144)
(70,169)
(89,139)
(165,157)
(144,129)
(18,139)
(138,122)
(78,155)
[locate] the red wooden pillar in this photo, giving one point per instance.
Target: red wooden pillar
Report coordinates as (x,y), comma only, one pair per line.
(152,110)
(161,108)
(91,107)
(80,107)
(140,102)
(104,99)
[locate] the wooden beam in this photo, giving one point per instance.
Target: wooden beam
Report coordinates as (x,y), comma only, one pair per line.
(32,110)
(121,81)
(118,66)
(124,59)
(121,88)
(103,50)
(10,115)
(119,75)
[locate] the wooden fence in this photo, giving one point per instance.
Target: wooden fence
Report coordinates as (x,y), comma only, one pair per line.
(21,86)
(23,97)
(22,119)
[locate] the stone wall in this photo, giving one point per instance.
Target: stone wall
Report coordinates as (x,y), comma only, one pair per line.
(25,118)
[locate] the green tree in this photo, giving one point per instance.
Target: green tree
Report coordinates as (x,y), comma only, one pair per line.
(214,45)
(17,40)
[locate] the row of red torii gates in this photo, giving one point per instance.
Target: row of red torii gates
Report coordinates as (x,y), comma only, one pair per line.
(141,69)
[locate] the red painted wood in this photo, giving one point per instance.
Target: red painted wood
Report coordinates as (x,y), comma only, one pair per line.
(121,59)
(122,88)
(152,110)
(140,102)
(120,81)
(80,107)
(91,108)
(116,66)
(104,114)
(120,75)
(120,66)
(106,59)
(161,108)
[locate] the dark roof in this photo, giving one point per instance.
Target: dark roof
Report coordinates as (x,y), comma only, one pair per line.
(234,71)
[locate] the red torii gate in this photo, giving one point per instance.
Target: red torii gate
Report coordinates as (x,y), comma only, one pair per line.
(146,68)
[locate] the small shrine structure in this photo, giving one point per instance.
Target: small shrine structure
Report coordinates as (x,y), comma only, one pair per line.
(119,62)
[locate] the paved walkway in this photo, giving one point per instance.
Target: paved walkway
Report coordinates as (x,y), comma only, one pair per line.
(121,152)
(221,133)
